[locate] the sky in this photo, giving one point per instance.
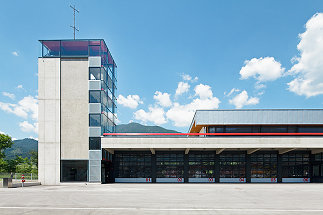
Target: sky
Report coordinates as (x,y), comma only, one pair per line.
(173,57)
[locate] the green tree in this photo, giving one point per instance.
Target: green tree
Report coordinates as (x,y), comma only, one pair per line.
(5,142)
(34,157)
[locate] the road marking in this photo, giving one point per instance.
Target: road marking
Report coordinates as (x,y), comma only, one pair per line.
(170,209)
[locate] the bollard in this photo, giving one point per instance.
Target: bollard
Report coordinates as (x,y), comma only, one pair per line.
(22,180)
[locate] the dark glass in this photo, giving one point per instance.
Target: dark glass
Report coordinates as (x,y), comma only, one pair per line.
(201,165)
(95,96)
(310,129)
(216,129)
(232,165)
(133,165)
(95,143)
(95,119)
(264,165)
(74,170)
(170,165)
(95,73)
(295,165)
(238,129)
(274,129)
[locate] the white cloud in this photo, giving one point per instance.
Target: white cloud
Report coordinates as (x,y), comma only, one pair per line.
(262,69)
(203,91)
(163,99)
(132,101)
(15,53)
(19,86)
(2,132)
(182,87)
(243,99)
(155,115)
(28,105)
(27,127)
(233,90)
(308,69)
(187,77)
(9,95)
(182,115)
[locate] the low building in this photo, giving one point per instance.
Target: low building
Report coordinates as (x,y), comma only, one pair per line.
(247,146)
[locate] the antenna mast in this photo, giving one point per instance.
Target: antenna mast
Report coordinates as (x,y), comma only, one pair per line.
(74,28)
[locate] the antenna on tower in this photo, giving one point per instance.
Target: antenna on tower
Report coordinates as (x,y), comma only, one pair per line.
(74,28)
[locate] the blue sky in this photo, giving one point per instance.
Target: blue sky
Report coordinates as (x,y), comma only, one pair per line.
(173,56)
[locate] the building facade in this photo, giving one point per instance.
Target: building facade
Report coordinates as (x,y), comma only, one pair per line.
(240,146)
(78,140)
(77,104)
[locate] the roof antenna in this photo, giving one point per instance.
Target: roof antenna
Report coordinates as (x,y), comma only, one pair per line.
(74,28)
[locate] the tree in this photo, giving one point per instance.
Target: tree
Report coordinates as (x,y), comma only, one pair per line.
(5,142)
(34,157)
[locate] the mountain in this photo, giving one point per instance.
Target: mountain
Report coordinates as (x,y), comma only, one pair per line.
(138,128)
(25,146)
(22,148)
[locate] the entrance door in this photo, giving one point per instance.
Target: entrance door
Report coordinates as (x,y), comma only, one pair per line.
(107,172)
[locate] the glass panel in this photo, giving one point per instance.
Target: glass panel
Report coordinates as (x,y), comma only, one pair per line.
(50,48)
(274,129)
(238,129)
(310,129)
(95,143)
(217,129)
(133,165)
(95,97)
(95,120)
(74,48)
(170,165)
(95,73)
(74,170)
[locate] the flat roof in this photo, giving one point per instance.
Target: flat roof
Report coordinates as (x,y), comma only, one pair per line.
(77,48)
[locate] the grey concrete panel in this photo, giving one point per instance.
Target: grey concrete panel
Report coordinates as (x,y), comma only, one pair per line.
(74,109)
(94,131)
(94,61)
(95,155)
(94,170)
(95,108)
(94,85)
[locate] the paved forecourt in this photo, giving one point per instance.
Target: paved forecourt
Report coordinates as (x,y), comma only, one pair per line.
(164,199)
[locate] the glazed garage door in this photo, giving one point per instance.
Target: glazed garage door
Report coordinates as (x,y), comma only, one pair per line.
(201,167)
(170,167)
(133,167)
(233,167)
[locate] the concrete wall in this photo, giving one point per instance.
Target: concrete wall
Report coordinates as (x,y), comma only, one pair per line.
(74,109)
(213,143)
(49,121)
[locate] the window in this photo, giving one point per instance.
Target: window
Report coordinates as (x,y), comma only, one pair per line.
(295,165)
(310,129)
(170,165)
(133,165)
(95,73)
(201,165)
(274,129)
(74,170)
(95,96)
(216,129)
(95,143)
(238,129)
(264,165)
(232,165)
(95,119)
